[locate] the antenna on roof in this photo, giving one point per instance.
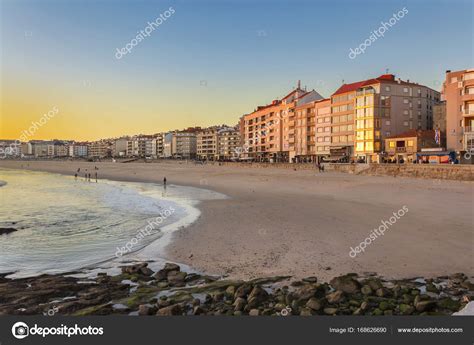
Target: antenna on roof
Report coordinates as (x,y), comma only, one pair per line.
(386,71)
(343,81)
(299,84)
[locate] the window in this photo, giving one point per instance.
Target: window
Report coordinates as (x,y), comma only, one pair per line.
(410,143)
(335,140)
(391,144)
(405,112)
(387,88)
(405,123)
(387,122)
(405,89)
(405,100)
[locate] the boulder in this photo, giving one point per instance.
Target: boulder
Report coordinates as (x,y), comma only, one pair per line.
(171,310)
(239,304)
(330,311)
(335,297)
(346,283)
(254,312)
(422,306)
(176,277)
(366,290)
(314,304)
(243,290)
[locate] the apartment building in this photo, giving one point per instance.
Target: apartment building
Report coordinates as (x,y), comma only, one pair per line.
(184,145)
(141,146)
(207,143)
(323,128)
(79,149)
(228,142)
(269,133)
(119,147)
(458,92)
(364,113)
(157,145)
(99,149)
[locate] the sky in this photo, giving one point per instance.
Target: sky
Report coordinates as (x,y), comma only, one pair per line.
(208,62)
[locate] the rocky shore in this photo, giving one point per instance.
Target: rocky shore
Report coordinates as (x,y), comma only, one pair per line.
(140,291)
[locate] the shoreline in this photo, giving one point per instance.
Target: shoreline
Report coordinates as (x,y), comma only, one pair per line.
(274,246)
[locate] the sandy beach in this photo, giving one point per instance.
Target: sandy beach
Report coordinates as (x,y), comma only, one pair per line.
(303,223)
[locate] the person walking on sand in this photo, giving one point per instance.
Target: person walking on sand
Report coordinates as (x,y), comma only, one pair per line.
(164,182)
(75,176)
(96,177)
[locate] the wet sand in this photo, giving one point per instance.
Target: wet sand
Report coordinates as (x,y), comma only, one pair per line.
(303,223)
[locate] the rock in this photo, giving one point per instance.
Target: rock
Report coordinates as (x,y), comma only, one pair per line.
(330,311)
(254,312)
(374,283)
(366,290)
(406,309)
(381,292)
(335,297)
(197,310)
(364,305)
(176,277)
(306,292)
(237,313)
(430,287)
(163,273)
(256,296)
(133,269)
(171,310)
(467,285)
(230,291)
(243,290)
(314,304)
(144,309)
(377,312)
(310,280)
(280,306)
(306,312)
(448,303)
(425,305)
(6,231)
(346,283)
(384,305)
(146,271)
(169,266)
(388,312)
(239,304)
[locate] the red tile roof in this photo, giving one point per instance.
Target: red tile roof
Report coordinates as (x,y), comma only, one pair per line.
(354,86)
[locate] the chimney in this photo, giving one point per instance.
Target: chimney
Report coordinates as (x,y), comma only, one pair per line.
(299,84)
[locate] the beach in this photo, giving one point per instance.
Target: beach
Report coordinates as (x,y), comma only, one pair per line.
(304,223)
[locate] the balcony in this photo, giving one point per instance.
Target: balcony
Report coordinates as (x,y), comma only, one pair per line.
(468,112)
(468,129)
(467,97)
(401,149)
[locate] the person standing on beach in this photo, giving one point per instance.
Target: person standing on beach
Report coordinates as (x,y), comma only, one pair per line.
(164,182)
(96,177)
(75,176)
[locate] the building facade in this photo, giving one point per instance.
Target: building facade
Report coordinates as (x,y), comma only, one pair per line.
(404,146)
(458,92)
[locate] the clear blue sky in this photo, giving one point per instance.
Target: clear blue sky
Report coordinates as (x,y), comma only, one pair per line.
(247,52)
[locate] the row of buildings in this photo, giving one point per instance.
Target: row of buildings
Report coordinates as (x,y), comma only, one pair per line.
(215,143)
(363,121)
(358,119)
